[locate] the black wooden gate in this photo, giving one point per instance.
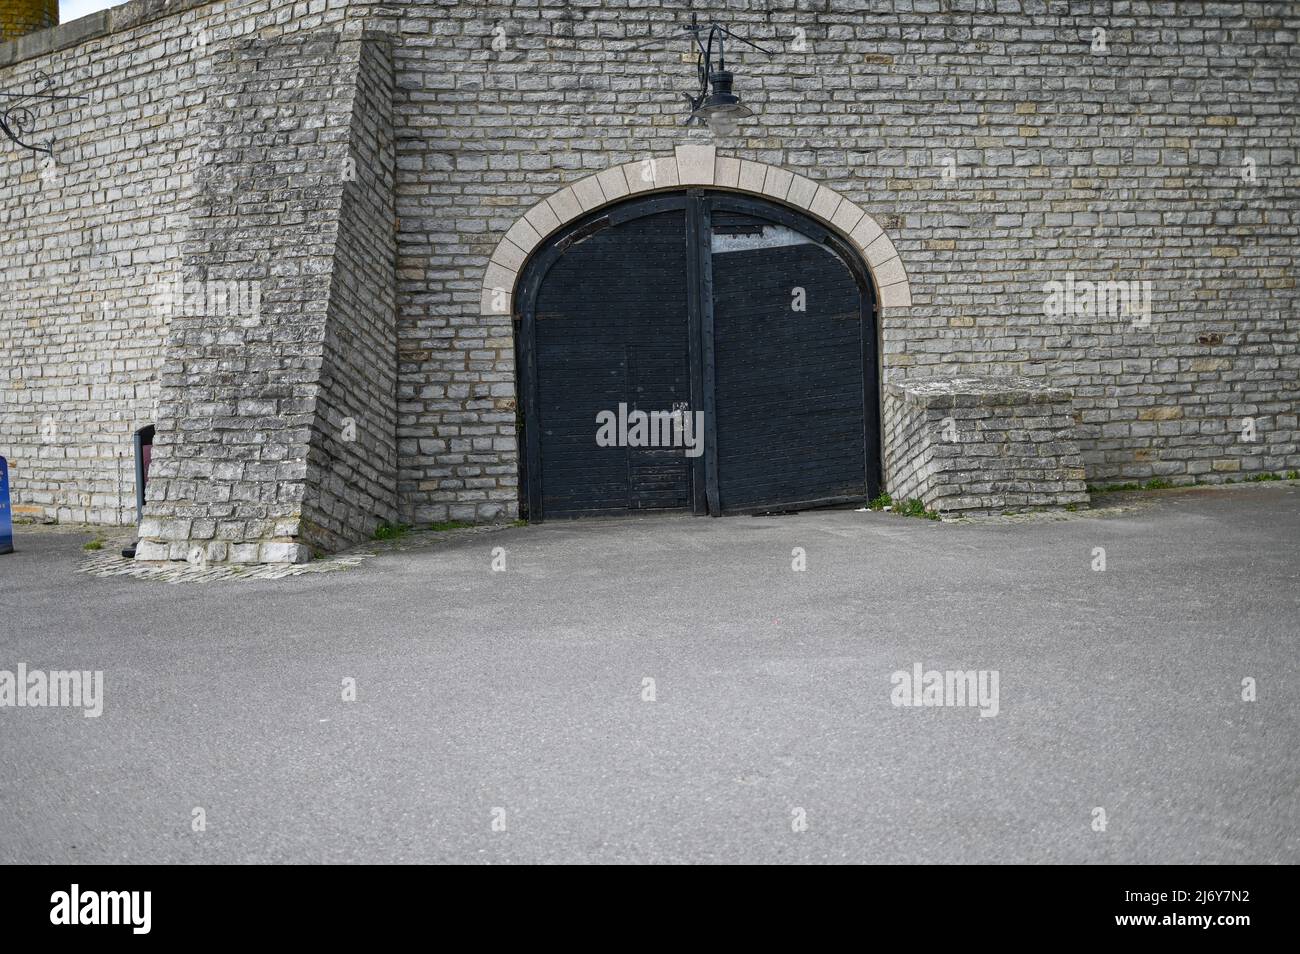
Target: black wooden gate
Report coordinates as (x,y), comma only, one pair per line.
(753,315)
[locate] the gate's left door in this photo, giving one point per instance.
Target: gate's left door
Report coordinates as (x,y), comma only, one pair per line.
(611,329)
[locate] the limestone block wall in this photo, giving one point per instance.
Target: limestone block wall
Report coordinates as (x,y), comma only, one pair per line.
(981,445)
(91,236)
(1009,152)
(1002,147)
(276,421)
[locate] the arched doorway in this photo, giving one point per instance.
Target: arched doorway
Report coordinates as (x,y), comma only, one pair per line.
(702,351)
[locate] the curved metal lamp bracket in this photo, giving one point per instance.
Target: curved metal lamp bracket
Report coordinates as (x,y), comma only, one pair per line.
(704,38)
(18,113)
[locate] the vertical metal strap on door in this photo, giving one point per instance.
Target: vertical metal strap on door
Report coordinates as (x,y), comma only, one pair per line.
(532,422)
(700,279)
(701,234)
(872,393)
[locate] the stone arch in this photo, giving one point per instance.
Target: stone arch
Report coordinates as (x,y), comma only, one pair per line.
(694,165)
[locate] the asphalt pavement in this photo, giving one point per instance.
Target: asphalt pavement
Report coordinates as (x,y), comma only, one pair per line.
(505,715)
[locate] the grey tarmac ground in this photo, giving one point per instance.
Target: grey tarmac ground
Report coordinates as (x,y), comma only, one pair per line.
(521,690)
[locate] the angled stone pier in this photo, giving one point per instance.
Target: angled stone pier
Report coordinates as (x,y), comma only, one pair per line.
(276,431)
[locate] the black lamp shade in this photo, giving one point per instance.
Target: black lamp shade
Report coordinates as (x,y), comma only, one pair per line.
(722,103)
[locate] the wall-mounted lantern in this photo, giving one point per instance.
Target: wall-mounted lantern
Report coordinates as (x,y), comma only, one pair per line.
(716,105)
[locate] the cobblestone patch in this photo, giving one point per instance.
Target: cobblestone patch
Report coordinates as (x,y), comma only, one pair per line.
(1112,508)
(1115,509)
(110,562)
(1113,503)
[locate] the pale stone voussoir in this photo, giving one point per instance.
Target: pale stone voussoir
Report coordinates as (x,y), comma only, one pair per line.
(523,235)
(589,193)
(695,164)
(565,205)
(496,301)
(801,193)
(896,296)
(865,232)
(639,174)
(726,173)
(665,172)
(498,289)
(613,183)
(824,204)
(752,176)
(542,218)
(777,182)
(509,255)
(880,251)
(847,216)
(889,272)
(691,164)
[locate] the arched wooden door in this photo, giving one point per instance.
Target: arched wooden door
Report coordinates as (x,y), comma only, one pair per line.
(699,351)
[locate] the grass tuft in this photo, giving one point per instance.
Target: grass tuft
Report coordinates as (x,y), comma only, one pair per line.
(914,508)
(450,525)
(390,531)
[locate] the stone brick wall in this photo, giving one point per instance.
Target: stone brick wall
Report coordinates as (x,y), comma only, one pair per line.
(1126,164)
(1003,148)
(91,237)
(981,445)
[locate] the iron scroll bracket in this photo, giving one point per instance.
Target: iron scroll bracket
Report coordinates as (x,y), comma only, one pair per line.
(18,112)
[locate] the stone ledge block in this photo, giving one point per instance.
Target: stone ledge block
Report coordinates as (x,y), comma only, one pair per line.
(999,464)
(284,553)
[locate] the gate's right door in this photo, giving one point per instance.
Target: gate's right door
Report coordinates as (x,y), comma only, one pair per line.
(788,368)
